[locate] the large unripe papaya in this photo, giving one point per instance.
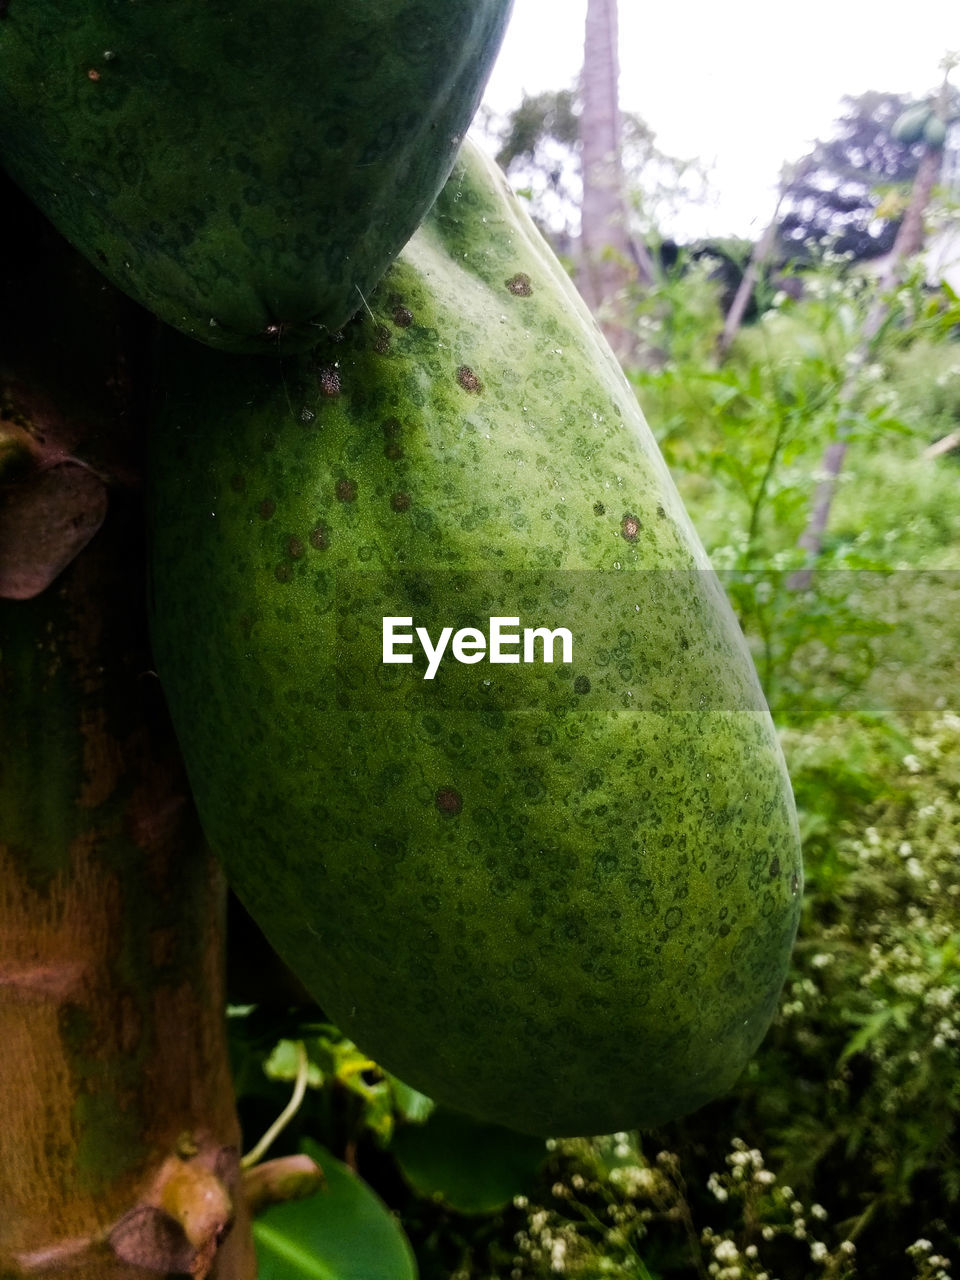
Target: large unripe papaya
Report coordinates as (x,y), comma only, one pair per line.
(245,170)
(558,895)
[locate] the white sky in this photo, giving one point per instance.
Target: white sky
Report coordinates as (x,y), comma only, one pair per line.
(744,85)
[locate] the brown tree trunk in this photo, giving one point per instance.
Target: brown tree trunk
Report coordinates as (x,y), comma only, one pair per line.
(118,1132)
(610,262)
(741,299)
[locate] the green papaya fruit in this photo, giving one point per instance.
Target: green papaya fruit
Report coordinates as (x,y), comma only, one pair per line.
(909,125)
(559,896)
(246,171)
(934,132)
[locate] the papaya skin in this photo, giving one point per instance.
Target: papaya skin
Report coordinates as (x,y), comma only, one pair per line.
(246,171)
(561,898)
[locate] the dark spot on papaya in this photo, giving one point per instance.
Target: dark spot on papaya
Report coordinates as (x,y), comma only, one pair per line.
(774,868)
(294,548)
(382,344)
(346,490)
(282,573)
(100,254)
(328,380)
(391,427)
(660,511)
(684,642)
(469,380)
(630,527)
(267,508)
(320,537)
(795,883)
(599,509)
(400,502)
(520,285)
(402,317)
(449,802)
(581,685)
(392,450)
(237,483)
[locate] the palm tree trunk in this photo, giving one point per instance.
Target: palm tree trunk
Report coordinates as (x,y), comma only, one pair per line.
(610,261)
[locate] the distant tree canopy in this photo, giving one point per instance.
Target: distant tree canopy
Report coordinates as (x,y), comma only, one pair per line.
(539,147)
(849,193)
(540,117)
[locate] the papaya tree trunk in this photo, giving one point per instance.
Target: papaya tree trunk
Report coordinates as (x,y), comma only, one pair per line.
(761,255)
(118,1132)
(610,262)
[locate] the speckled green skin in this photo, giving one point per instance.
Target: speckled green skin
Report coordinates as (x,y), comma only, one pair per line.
(527,897)
(246,170)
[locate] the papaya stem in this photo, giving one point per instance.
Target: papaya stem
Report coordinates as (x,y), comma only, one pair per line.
(286,1115)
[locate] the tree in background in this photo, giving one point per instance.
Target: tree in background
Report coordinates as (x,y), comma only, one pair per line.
(908,241)
(848,191)
(610,260)
(538,145)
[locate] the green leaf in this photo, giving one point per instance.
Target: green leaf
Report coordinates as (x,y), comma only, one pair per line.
(283,1064)
(410,1103)
(344,1232)
(471,1167)
(873,1026)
